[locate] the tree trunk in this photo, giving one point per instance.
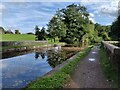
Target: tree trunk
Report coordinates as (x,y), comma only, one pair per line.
(54,39)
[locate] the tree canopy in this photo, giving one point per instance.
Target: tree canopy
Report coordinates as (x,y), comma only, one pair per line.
(72,25)
(115,29)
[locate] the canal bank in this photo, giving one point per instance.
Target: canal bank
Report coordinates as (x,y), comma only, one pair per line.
(58,77)
(22,69)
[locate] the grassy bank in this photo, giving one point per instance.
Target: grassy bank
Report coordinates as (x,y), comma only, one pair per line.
(109,71)
(17,37)
(59,78)
(23,37)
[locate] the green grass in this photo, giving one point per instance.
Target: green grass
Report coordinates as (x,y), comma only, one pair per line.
(107,68)
(17,37)
(59,78)
(24,37)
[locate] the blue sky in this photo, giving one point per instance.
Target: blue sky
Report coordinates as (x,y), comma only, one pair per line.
(24,15)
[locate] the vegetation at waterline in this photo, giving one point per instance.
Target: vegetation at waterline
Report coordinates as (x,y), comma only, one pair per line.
(59,78)
(110,72)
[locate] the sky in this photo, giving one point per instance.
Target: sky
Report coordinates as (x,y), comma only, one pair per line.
(24,15)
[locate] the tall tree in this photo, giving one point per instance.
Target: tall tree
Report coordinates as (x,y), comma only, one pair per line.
(17,32)
(42,34)
(68,23)
(115,29)
(37,32)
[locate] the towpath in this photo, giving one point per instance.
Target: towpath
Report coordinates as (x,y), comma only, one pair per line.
(88,73)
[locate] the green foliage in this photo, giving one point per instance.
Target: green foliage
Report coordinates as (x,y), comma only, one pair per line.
(72,25)
(40,34)
(109,71)
(17,32)
(59,78)
(102,32)
(67,23)
(115,29)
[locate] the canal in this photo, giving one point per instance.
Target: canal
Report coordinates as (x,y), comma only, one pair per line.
(20,69)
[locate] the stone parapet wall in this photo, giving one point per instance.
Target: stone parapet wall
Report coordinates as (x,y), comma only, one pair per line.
(113,53)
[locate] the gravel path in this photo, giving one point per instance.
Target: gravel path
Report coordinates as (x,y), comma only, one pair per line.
(88,73)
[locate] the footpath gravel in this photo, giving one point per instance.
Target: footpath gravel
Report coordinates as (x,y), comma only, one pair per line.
(88,73)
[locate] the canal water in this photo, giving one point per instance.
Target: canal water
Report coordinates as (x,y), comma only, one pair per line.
(18,71)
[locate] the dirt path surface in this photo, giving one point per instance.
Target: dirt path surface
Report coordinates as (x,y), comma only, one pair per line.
(88,73)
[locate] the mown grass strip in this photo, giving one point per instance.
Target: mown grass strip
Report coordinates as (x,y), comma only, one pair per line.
(109,71)
(17,37)
(59,78)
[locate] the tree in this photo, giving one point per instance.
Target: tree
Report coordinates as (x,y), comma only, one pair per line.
(31,33)
(68,23)
(36,32)
(115,29)
(17,32)
(40,34)
(52,28)
(102,31)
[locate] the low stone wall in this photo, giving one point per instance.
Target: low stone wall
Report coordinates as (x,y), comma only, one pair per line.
(21,43)
(113,53)
(25,48)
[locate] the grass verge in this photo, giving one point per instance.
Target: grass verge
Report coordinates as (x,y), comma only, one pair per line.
(109,71)
(59,78)
(17,37)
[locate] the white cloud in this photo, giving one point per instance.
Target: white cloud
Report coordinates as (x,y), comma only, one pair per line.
(109,8)
(92,19)
(2,8)
(91,14)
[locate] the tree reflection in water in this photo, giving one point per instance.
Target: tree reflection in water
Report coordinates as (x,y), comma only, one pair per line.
(55,57)
(37,54)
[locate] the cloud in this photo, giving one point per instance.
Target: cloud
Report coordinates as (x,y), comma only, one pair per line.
(108,8)
(92,19)
(25,15)
(91,14)
(22,15)
(2,8)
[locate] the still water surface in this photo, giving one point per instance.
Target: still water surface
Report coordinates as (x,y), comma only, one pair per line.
(18,71)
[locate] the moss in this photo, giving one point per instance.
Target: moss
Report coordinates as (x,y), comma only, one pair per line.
(109,71)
